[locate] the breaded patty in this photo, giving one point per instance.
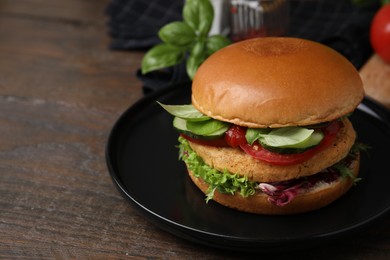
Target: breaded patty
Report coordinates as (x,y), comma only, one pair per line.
(236,161)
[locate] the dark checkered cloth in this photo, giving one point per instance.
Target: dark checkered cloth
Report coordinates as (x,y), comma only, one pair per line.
(338,24)
(134,24)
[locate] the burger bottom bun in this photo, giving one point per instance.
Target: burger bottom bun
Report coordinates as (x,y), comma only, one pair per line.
(315,198)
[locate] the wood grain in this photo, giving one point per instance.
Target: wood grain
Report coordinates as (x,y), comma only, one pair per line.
(61,90)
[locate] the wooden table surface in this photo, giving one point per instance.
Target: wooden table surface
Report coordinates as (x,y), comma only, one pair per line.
(61,90)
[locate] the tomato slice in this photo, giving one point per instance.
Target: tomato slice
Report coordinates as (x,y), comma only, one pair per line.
(235,136)
(260,153)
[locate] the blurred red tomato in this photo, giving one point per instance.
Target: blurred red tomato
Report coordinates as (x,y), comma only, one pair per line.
(380,33)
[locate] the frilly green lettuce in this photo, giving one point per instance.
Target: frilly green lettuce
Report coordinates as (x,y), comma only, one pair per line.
(224,182)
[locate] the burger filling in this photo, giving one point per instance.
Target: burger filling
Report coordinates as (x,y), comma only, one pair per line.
(275,146)
(279,193)
(283,154)
(278,146)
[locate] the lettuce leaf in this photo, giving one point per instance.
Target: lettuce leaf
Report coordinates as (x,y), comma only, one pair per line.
(224,182)
(346,172)
(343,166)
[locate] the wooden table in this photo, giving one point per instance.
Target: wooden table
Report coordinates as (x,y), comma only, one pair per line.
(61,90)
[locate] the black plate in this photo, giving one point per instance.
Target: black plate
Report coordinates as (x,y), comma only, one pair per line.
(143,161)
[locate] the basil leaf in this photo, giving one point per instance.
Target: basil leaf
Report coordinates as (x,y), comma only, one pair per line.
(199,49)
(286,136)
(253,134)
(199,15)
(161,56)
(216,42)
(197,56)
(187,112)
(191,14)
(206,17)
(192,65)
(177,34)
(207,127)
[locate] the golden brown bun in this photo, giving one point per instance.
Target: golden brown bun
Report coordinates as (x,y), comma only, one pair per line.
(236,161)
(276,82)
(316,198)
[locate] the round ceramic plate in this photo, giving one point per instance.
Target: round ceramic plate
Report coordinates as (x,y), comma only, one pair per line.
(142,158)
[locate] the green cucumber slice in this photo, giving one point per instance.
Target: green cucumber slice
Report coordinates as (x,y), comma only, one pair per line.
(187,112)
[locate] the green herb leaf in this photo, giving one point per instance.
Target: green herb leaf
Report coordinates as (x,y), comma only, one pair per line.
(216,42)
(191,14)
(177,34)
(199,49)
(206,17)
(187,112)
(207,127)
(253,134)
(359,147)
(286,136)
(199,15)
(346,172)
(187,38)
(161,56)
(197,56)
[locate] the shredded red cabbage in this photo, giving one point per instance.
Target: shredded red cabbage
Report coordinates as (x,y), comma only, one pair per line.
(283,192)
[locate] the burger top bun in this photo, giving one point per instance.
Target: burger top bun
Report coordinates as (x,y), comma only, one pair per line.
(276,82)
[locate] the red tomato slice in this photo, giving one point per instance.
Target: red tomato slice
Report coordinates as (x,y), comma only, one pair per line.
(260,153)
(235,136)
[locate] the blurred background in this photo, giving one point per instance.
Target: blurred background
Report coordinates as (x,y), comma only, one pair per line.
(343,25)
